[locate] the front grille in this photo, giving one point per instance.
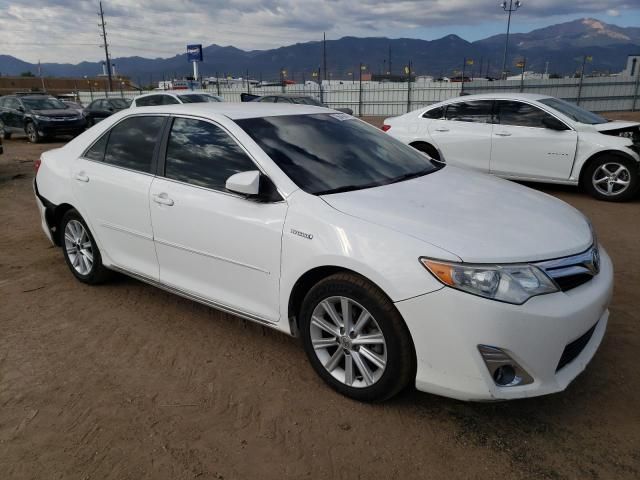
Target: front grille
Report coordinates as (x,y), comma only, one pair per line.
(571,272)
(573,349)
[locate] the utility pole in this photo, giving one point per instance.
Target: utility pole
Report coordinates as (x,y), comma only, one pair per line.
(106,45)
(324,54)
(508,7)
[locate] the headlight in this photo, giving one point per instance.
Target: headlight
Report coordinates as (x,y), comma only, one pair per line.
(41,117)
(506,283)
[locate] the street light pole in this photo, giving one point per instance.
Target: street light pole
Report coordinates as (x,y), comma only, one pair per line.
(509,7)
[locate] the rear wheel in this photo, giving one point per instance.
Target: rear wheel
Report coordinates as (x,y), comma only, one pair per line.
(32,133)
(612,178)
(428,149)
(355,338)
(80,250)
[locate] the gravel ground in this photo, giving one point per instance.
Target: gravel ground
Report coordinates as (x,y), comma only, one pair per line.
(125,381)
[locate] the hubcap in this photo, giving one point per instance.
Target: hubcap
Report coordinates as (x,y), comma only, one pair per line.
(31,132)
(611,179)
(348,342)
(78,247)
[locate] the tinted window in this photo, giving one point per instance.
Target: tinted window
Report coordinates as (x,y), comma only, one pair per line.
(132,141)
(96,152)
(197,98)
(434,113)
(12,103)
(43,103)
(119,103)
(203,154)
(329,152)
(149,101)
(307,101)
(476,111)
(519,114)
(167,100)
(268,99)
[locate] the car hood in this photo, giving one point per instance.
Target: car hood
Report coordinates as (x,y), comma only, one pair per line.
(479,218)
(67,112)
(615,125)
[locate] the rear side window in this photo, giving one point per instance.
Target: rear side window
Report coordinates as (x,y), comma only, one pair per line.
(203,154)
(478,111)
(167,100)
(519,114)
(149,101)
(434,113)
(132,142)
(96,152)
(268,99)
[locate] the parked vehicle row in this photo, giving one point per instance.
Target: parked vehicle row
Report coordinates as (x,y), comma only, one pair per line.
(528,137)
(392,267)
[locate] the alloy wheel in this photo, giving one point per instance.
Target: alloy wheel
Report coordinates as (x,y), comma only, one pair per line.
(611,179)
(31,133)
(78,246)
(348,342)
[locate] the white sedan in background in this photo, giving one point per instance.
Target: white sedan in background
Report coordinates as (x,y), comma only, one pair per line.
(173,97)
(393,268)
(528,137)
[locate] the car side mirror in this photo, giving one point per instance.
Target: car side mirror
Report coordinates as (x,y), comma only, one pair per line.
(245,183)
(21,108)
(553,123)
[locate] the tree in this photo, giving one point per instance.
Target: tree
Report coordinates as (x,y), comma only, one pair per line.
(27,74)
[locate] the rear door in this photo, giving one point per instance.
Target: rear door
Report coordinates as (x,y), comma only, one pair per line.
(523,147)
(463,136)
(111,184)
(212,243)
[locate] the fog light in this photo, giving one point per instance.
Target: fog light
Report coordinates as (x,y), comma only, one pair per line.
(504,370)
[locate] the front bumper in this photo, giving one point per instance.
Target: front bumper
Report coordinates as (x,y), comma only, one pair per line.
(62,127)
(448,325)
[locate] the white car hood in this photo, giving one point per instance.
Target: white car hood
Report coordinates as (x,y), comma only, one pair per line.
(616,124)
(479,218)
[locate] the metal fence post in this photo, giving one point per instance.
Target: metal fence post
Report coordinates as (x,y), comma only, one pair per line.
(635,93)
(218,83)
(584,60)
(409,89)
(360,93)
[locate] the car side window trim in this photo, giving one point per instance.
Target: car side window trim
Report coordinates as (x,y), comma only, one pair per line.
(162,158)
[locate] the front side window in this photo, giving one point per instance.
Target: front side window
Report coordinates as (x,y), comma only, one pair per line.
(519,114)
(197,98)
(573,111)
(477,111)
(119,103)
(149,101)
(13,103)
(329,153)
(132,142)
(202,154)
(268,99)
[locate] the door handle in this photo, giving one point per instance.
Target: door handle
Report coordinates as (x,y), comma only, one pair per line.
(81,177)
(503,134)
(163,199)
(442,129)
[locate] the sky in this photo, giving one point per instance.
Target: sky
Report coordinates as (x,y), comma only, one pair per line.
(66,31)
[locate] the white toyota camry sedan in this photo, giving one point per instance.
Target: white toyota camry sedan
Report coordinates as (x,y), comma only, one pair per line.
(528,137)
(392,268)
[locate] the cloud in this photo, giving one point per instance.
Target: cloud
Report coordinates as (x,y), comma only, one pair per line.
(67,30)
(613,12)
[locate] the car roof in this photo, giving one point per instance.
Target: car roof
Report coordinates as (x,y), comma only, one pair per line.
(176,92)
(236,111)
(493,96)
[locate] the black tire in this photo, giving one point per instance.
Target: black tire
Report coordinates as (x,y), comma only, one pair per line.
(32,133)
(98,273)
(628,171)
(428,149)
(3,133)
(399,371)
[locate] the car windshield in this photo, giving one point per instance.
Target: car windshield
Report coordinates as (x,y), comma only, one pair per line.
(197,98)
(306,101)
(573,111)
(331,153)
(44,104)
(120,102)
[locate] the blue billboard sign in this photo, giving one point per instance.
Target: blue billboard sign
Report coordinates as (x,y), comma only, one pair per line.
(194,53)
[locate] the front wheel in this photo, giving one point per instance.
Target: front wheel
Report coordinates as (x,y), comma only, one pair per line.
(32,133)
(3,132)
(356,339)
(612,178)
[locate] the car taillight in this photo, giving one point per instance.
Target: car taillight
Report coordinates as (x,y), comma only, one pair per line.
(36,165)
(385,127)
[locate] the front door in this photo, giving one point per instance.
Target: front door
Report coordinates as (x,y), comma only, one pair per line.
(212,243)
(523,147)
(111,183)
(464,134)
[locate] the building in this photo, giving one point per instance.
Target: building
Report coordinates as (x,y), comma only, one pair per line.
(60,86)
(633,66)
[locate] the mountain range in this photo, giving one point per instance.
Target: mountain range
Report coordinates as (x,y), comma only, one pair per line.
(562,45)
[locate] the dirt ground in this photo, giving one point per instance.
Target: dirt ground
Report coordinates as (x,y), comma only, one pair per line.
(125,381)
